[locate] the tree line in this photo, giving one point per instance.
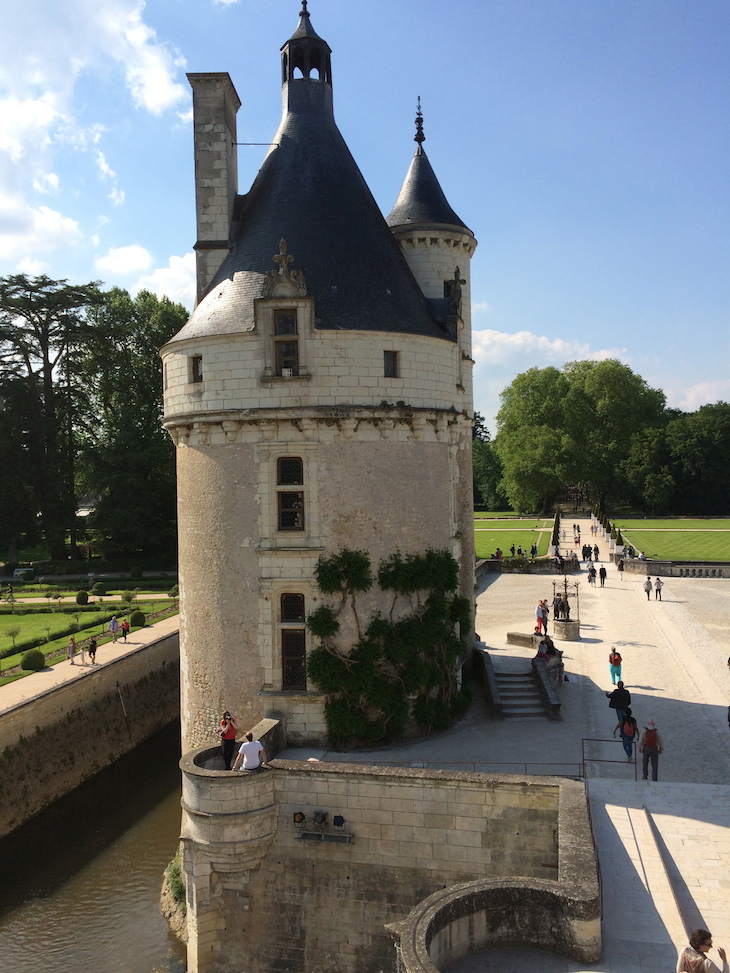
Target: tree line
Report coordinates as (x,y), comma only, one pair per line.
(80,412)
(599,426)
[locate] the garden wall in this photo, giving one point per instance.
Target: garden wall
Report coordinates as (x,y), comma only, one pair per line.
(52,743)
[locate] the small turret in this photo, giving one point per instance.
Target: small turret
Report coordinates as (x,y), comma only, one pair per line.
(306,52)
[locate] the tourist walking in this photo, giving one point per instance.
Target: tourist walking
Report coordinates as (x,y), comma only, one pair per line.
(614,664)
(114,627)
(628,732)
(602,575)
(647,588)
(92,650)
(650,746)
(620,566)
(658,585)
(620,700)
(124,627)
(596,552)
(693,958)
(251,754)
(71,650)
(592,575)
(227,733)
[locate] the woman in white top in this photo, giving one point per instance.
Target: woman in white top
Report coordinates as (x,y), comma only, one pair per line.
(693,958)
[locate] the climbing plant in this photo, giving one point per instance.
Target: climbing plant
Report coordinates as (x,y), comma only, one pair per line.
(402,666)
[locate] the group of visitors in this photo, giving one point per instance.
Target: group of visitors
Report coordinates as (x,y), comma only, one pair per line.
(115,629)
(561,608)
(542,613)
(590,553)
(658,585)
(251,755)
(649,739)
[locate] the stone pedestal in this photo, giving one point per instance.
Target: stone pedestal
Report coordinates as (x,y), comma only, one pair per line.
(566,630)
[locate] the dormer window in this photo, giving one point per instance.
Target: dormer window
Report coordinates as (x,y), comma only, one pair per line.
(286,345)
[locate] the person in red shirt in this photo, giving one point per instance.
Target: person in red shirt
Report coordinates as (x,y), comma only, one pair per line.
(227,733)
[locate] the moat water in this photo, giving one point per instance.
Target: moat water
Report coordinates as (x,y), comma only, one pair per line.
(80,884)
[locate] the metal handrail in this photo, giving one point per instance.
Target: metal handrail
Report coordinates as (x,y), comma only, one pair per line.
(603,760)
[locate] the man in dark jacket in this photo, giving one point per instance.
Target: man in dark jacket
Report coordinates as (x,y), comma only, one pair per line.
(620,700)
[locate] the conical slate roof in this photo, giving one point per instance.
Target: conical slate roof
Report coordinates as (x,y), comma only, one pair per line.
(421,199)
(310,192)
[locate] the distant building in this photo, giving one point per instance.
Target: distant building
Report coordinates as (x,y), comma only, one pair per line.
(320,395)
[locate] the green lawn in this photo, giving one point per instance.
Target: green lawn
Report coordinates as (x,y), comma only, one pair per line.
(680,545)
(491,534)
(55,648)
(674,524)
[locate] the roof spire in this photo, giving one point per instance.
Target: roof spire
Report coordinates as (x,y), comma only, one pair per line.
(419,136)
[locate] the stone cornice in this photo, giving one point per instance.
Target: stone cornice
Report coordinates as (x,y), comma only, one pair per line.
(325,425)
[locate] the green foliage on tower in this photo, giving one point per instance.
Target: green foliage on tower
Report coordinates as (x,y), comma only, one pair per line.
(402,668)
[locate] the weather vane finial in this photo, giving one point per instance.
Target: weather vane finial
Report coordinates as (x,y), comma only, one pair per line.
(419,136)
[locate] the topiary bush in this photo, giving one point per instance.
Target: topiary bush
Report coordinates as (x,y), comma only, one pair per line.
(82,597)
(33,661)
(137,619)
(99,589)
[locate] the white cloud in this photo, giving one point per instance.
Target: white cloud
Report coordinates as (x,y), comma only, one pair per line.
(104,168)
(481,307)
(31,267)
(47,183)
(37,101)
(117,196)
(124,260)
(26,230)
(500,356)
(176,281)
(703,393)
(492,347)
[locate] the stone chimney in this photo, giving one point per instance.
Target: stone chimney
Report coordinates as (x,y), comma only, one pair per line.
(215,103)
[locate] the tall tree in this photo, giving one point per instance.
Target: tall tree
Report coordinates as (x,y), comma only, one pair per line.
(41,322)
(126,458)
(699,443)
(571,426)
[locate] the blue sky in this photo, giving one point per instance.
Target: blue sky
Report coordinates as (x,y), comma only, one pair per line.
(585,142)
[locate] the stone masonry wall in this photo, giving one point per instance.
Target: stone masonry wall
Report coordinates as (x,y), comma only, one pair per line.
(261,898)
(53,742)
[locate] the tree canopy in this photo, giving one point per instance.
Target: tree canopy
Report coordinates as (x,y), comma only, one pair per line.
(81,391)
(599,425)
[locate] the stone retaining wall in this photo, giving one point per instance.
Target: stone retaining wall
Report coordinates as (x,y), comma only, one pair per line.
(267,893)
(52,743)
(561,916)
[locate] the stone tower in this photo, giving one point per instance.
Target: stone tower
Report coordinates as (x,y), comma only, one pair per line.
(319,395)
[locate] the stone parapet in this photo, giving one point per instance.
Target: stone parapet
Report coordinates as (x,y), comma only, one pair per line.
(560,916)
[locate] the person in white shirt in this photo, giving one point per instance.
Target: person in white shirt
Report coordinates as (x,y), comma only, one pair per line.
(251,754)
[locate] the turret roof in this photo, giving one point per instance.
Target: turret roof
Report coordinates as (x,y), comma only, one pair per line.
(421,199)
(310,192)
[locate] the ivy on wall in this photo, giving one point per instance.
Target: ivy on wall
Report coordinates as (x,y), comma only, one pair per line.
(402,667)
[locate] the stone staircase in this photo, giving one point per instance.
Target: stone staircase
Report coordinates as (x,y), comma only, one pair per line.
(520,697)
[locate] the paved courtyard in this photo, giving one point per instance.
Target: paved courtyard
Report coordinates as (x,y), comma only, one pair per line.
(675,665)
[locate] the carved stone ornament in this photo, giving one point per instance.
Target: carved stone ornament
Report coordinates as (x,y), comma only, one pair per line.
(283,282)
(455,293)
